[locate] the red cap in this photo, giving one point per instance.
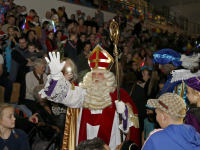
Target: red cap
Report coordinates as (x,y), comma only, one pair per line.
(78,11)
(63,37)
(98,36)
(47,33)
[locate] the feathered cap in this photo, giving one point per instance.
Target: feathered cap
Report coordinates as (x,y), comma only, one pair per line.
(166,56)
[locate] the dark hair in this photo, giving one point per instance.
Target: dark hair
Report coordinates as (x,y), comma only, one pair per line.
(141,55)
(162,80)
(45,23)
(128,144)
(82,34)
(31,44)
(23,37)
(54,11)
(87,43)
(134,53)
(33,11)
(93,144)
(29,31)
(59,8)
(55,34)
(149,71)
(11,16)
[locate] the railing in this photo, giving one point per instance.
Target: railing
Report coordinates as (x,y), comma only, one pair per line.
(142,10)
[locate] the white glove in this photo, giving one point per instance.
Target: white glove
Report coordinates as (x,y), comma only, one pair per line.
(120,106)
(55,65)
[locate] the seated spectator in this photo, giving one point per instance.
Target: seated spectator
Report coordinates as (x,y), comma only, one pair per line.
(93,144)
(33,78)
(100,31)
(60,12)
(50,42)
(70,49)
(32,39)
(81,28)
(88,32)
(78,14)
(20,66)
(72,19)
(11,23)
(82,63)
(127,65)
(88,22)
(135,56)
(127,145)
(5,82)
(81,43)
(63,23)
(37,27)
(8,45)
(94,30)
(99,15)
(134,69)
(17,137)
(91,39)
(18,10)
(58,28)
(170,110)
(124,55)
(45,28)
(48,18)
(54,16)
(141,58)
(29,21)
(58,35)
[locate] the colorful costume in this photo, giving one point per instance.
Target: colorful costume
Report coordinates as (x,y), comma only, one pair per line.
(103,120)
(2,13)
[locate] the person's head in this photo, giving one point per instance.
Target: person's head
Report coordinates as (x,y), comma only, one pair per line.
(89,29)
(127,145)
(23,43)
(142,53)
(59,34)
(53,11)
(125,50)
(82,37)
(83,15)
(170,109)
(89,18)
(57,27)
(94,30)
(92,37)
(7,119)
(63,8)
(134,65)
(45,25)
(100,31)
(31,35)
(87,48)
(37,96)
(40,66)
(60,8)
(80,21)
(92,144)
(48,14)
(50,35)
(1,2)
(146,74)
(167,68)
(193,91)
(31,47)
(32,12)
(129,56)
(18,9)
(11,31)
(72,17)
(98,10)
(36,19)
(11,20)
(23,8)
(69,67)
(135,54)
(63,19)
(73,36)
(78,12)
(161,83)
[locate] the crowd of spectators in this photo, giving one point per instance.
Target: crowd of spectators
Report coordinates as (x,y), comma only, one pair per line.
(26,39)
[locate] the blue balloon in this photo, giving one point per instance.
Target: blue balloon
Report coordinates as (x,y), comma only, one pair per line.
(155,34)
(184,49)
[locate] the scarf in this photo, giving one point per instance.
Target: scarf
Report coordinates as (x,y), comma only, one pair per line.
(39,79)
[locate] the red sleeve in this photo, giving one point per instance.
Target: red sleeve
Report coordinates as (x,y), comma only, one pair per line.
(49,46)
(28,18)
(134,132)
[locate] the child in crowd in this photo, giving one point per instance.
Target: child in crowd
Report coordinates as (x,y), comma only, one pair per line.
(34,53)
(97,41)
(29,20)
(10,138)
(160,85)
(149,123)
(8,45)
(193,95)
(50,42)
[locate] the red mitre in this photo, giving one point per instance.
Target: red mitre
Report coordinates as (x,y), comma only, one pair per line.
(100,59)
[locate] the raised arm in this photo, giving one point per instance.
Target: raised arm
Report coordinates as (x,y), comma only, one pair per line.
(57,88)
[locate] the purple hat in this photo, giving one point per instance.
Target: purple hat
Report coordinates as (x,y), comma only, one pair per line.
(194,83)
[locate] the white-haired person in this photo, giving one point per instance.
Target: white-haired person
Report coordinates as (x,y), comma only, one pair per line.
(170,111)
(97,99)
(34,78)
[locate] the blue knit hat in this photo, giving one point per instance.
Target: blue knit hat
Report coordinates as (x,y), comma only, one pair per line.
(165,56)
